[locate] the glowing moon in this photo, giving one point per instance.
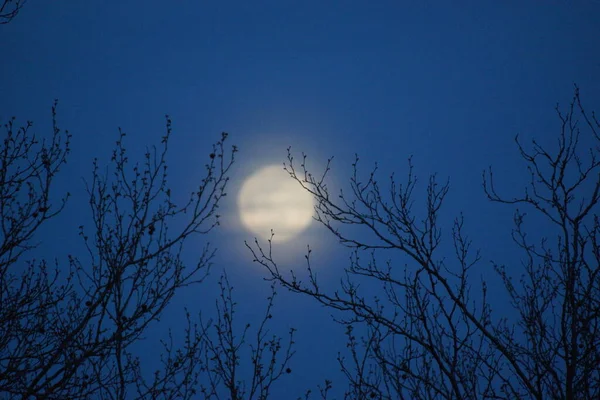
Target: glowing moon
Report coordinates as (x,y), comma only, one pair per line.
(271,199)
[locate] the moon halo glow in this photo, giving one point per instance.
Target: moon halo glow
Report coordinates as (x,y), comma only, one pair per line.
(271,200)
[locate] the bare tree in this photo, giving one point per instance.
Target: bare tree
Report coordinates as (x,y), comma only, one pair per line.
(9,10)
(66,330)
(430,332)
(265,356)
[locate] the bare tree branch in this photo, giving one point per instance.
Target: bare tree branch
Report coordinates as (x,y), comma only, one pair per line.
(429,333)
(66,331)
(9,10)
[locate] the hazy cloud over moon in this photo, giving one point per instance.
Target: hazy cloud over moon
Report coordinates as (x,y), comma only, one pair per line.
(270,199)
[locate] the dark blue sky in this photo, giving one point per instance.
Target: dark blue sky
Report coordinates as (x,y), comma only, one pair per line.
(449,84)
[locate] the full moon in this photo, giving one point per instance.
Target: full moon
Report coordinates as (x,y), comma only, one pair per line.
(270,199)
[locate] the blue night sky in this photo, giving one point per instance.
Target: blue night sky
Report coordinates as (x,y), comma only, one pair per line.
(449,83)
